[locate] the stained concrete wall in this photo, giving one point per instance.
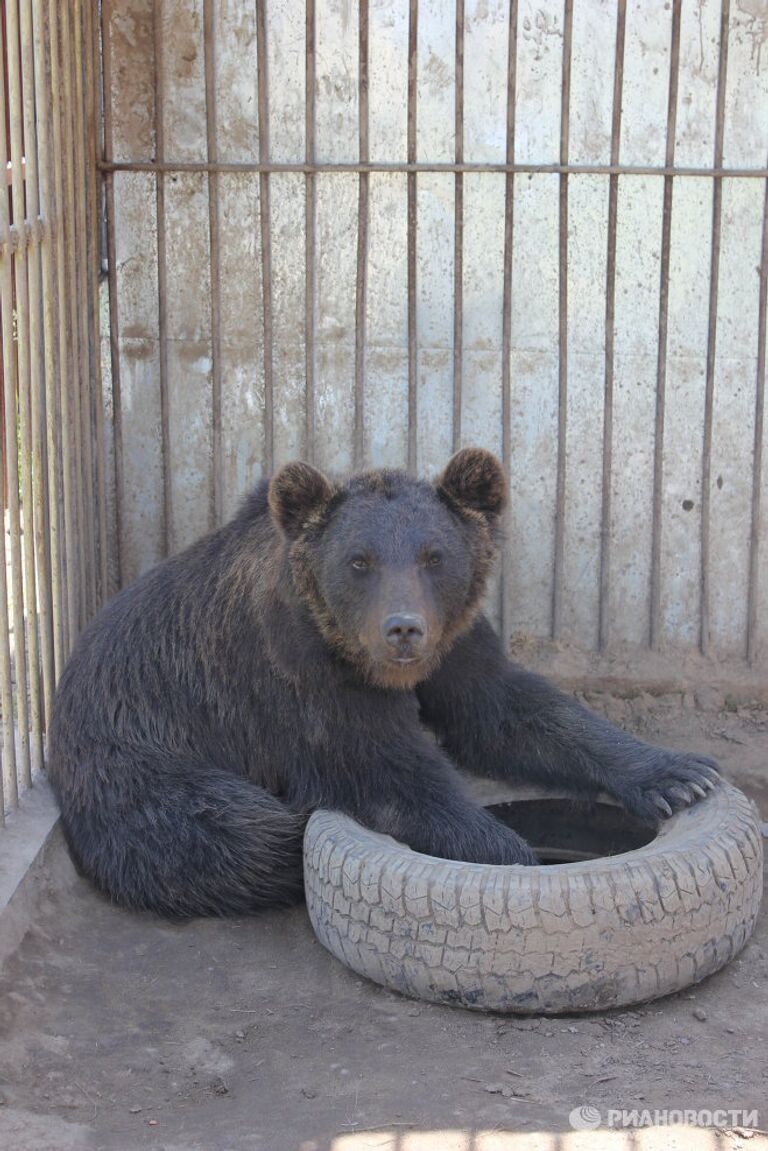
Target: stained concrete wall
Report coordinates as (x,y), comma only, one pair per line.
(573,542)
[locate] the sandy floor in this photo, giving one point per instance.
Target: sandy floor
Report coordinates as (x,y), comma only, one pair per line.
(119,1031)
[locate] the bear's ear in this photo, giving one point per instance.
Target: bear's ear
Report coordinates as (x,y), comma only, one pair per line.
(296,493)
(474,478)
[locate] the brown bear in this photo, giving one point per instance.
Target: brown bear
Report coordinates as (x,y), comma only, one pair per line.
(295,659)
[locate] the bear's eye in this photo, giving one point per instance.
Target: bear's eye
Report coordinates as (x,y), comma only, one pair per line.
(360,564)
(434,560)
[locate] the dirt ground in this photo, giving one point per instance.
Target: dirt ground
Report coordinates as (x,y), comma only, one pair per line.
(119,1031)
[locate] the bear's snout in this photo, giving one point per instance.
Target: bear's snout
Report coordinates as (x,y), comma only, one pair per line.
(404,634)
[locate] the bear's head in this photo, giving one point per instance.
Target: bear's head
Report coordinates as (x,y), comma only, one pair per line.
(391,568)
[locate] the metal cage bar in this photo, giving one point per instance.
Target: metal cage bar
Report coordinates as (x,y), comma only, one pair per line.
(310,226)
(661,363)
(714,279)
(162,272)
(562,335)
(610,304)
(266,235)
(53,539)
(212,151)
(458,230)
(506,301)
(413,363)
(363,197)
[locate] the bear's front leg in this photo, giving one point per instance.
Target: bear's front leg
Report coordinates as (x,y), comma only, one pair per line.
(495,719)
(420,801)
(386,773)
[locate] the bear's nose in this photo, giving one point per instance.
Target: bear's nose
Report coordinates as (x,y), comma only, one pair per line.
(404,630)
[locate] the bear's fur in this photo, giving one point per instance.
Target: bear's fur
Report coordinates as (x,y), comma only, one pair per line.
(293,660)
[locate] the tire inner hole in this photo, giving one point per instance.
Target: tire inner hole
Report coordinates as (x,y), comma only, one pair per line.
(573,830)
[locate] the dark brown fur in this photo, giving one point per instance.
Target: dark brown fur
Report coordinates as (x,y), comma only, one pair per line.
(254,678)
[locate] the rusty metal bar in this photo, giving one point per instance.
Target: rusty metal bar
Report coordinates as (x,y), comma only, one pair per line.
(361,283)
(714,276)
(9,787)
(562,400)
(216,513)
(10,462)
(24,371)
(310,219)
(506,304)
(458,231)
(65,355)
(72,385)
(661,365)
(162,272)
(28,234)
(85,374)
(35,24)
(114,328)
(413,383)
(610,302)
(266,242)
(753,635)
(301,167)
(41,519)
(97,403)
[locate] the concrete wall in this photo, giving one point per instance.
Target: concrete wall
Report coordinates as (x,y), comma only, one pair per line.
(637,510)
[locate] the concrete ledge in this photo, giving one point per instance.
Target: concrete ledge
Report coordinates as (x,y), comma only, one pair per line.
(25,841)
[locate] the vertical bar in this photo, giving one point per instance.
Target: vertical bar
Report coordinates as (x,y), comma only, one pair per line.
(757,459)
(10,462)
(162,270)
(34,19)
(610,302)
(310,213)
(266,243)
(562,402)
(714,276)
(93,243)
(64,293)
(114,328)
(209,32)
(362,239)
(86,371)
(73,383)
(9,787)
(413,33)
(458,231)
(506,318)
(661,367)
(41,519)
(24,370)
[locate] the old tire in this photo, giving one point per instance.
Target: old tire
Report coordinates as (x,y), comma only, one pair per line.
(579,937)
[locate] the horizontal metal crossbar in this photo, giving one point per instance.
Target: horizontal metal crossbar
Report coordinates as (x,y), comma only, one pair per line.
(302,168)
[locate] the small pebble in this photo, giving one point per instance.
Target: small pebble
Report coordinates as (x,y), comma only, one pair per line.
(700,1014)
(134,1110)
(494,1088)
(308,1093)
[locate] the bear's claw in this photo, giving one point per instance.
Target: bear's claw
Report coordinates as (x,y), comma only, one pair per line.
(671,781)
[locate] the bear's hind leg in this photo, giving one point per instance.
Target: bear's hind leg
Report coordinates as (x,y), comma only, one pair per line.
(182,841)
